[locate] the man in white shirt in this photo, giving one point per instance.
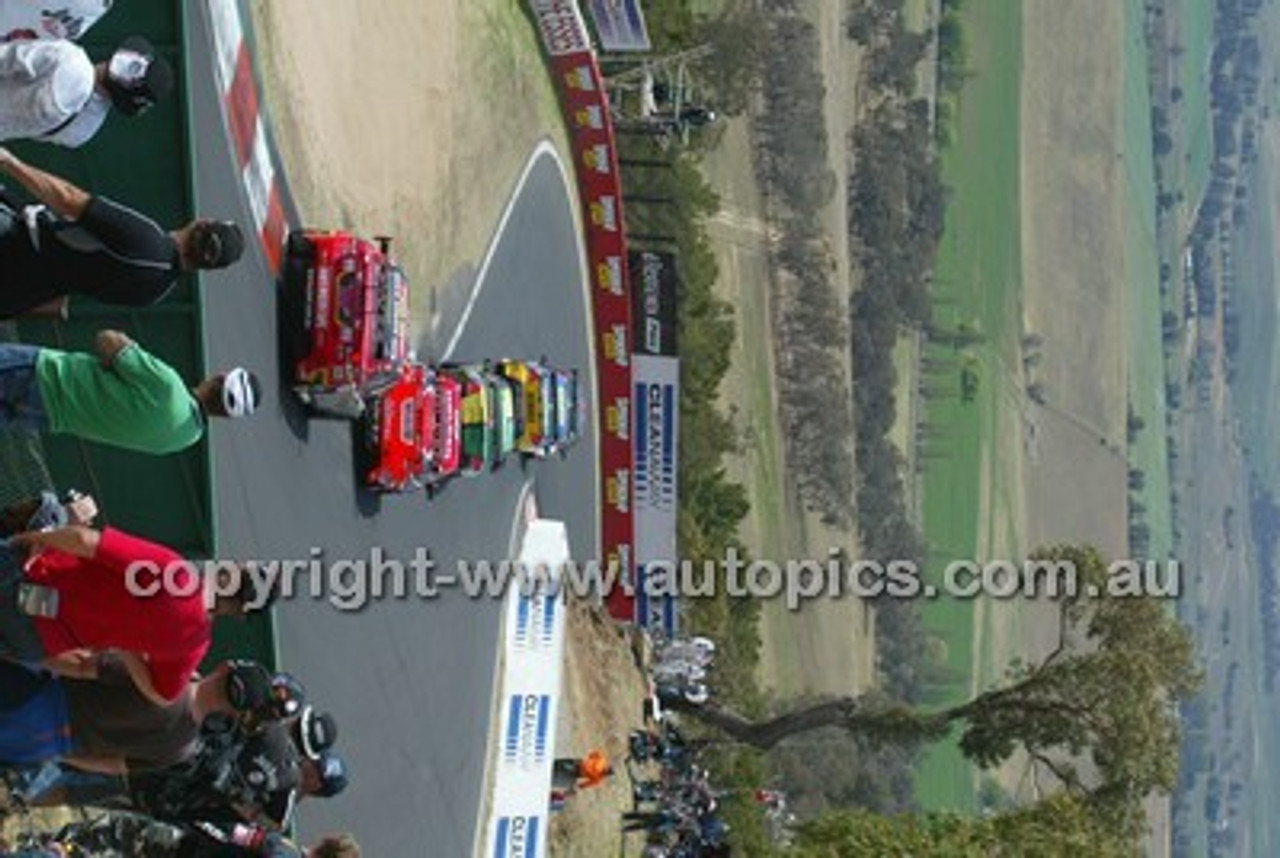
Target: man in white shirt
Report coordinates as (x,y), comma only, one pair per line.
(52,92)
(49,19)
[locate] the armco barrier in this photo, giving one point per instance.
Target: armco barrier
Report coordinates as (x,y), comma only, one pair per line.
(582,97)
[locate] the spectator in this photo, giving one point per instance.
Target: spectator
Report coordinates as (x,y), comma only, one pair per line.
(122,396)
(570,774)
(52,92)
(108,725)
(84,591)
(78,243)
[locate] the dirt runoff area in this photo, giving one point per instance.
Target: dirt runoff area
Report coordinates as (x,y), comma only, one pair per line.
(1074,218)
(603,701)
(407,118)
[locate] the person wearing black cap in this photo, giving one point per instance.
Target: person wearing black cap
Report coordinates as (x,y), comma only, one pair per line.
(122,396)
(76,243)
(325,776)
(50,91)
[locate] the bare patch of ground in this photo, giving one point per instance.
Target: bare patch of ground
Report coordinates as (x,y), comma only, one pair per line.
(1073,295)
(601,702)
(407,118)
(1073,229)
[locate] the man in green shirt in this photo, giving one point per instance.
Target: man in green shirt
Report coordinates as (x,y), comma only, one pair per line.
(122,396)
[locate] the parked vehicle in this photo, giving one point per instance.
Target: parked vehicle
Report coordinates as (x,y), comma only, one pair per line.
(351,307)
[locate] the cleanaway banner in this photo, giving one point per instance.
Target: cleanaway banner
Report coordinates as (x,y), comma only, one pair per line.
(656,422)
(619,25)
(528,699)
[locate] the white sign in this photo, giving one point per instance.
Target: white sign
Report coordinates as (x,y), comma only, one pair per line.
(529,697)
(655,421)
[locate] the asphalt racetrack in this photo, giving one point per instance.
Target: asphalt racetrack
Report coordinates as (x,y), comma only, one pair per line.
(409,681)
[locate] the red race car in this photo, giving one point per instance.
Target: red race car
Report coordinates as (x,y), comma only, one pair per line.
(353,304)
(411,432)
(447,443)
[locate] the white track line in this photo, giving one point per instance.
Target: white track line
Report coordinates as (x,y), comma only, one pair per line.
(544,148)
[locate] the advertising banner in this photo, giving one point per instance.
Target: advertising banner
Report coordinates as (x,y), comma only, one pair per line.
(620,25)
(533,647)
(656,422)
(653,301)
(560,22)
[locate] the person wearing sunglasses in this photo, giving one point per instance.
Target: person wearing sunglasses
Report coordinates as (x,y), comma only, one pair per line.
(71,242)
(121,396)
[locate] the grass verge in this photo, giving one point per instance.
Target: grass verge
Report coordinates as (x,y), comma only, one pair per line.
(978,275)
(1149,450)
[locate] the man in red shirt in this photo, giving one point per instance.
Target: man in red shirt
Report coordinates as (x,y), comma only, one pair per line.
(84,591)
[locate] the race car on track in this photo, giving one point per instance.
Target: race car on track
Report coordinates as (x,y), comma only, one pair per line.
(411,432)
(569,410)
(507,419)
(477,418)
(399,431)
(446,444)
(349,307)
(534,385)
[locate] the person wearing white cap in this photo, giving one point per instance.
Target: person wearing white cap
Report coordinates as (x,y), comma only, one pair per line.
(121,396)
(51,92)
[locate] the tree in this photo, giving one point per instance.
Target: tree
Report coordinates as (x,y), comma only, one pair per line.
(1099,712)
(1061,825)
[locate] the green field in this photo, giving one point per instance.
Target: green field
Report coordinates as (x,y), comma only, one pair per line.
(1259,360)
(1149,452)
(977,285)
(1196,24)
